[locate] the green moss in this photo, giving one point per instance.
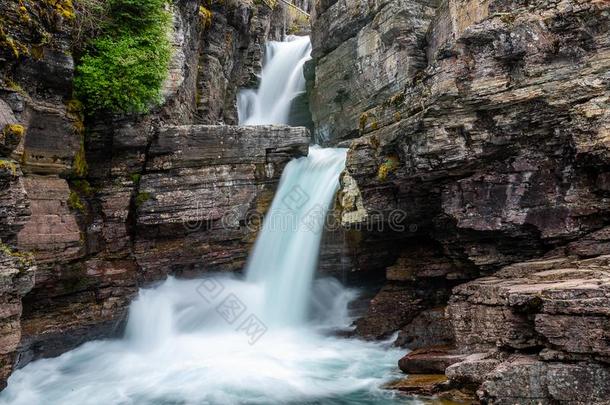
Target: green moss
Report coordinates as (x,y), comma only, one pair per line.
(75,202)
(123,69)
(80,161)
(26,259)
(390,164)
(14,86)
(136,177)
(14,46)
(83,187)
(8,165)
(141,198)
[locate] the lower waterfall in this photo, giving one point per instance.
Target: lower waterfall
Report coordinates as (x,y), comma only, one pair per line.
(271,337)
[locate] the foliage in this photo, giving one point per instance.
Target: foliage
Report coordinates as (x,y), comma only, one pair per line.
(83,187)
(9,166)
(75,202)
(390,164)
(135,177)
(91,17)
(141,198)
(124,69)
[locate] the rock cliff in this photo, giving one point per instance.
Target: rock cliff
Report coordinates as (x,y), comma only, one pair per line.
(93,206)
(481,127)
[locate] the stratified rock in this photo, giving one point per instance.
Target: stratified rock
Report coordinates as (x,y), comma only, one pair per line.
(524,379)
(474,369)
(430,328)
(565,308)
(232,55)
(429,360)
(16,279)
(366,53)
(202,191)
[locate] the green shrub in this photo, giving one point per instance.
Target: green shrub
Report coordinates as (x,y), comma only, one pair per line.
(124,69)
(75,202)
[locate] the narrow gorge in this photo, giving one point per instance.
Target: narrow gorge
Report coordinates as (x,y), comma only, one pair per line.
(275,202)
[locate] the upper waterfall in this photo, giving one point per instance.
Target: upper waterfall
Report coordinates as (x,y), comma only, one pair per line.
(281,81)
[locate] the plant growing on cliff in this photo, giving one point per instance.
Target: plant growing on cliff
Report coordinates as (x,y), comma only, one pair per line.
(25,259)
(124,68)
(389,165)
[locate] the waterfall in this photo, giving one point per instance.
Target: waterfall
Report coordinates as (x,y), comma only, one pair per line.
(281,81)
(286,252)
(268,338)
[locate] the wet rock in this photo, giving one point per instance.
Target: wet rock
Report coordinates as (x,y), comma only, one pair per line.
(16,279)
(429,360)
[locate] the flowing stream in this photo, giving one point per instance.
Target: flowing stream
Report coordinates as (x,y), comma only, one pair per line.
(268,338)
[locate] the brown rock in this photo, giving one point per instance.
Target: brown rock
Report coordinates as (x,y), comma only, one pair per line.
(429,360)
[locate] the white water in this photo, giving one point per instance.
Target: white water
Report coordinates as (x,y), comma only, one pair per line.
(181,347)
(281,81)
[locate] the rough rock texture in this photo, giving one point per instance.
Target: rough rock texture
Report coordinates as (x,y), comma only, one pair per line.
(16,269)
(490,139)
(201,186)
(365,52)
(233,53)
(431,360)
(77,202)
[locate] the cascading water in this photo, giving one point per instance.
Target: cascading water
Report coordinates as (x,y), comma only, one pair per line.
(223,340)
(281,81)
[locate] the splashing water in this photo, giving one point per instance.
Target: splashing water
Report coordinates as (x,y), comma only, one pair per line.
(192,342)
(281,81)
(183,344)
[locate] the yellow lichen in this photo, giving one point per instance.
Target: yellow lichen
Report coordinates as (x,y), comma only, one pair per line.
(16,47)
(363,119)
(24,16)
(74,108)
(397,99)
(37,52)
(390,164)
(8,165)
(65,8)
(206,17)
(14,130)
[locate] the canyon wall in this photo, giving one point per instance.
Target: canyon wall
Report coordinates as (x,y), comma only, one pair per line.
(478,130)
(94,206)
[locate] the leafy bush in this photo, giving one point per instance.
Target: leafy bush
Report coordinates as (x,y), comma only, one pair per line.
(124,69)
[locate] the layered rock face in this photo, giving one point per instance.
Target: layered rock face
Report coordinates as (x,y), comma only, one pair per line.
(203,194)
(478,130)
(137,197)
